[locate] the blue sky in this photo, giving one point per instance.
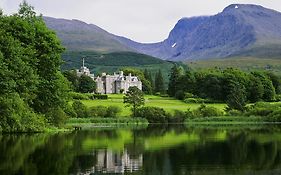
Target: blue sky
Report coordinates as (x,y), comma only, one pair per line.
(140,20)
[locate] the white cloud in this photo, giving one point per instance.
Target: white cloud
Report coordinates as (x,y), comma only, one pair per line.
(141,20)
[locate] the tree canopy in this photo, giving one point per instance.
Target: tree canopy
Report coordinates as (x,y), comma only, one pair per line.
(30,59)
(135,98)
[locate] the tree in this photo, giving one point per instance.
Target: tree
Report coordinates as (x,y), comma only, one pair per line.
(86,84)
(72,77)
(148,76)
(176,73)
(135,98)
(236,99)
(159,82)
(30,59)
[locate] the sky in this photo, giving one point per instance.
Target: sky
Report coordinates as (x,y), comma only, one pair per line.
(144,21)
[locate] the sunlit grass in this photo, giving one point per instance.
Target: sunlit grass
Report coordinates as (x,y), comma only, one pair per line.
(167,103)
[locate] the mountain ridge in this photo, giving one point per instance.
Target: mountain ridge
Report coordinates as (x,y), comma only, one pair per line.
(239,30)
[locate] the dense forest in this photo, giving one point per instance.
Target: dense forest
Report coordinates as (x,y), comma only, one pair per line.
(33,92)
(233,86)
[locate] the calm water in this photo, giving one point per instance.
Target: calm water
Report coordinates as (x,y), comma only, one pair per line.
(156,150)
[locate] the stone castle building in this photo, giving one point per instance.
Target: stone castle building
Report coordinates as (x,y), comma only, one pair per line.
(111,84)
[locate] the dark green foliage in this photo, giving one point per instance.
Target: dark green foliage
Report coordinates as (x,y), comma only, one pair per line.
(159,83)
(276,81)
(80,109)
(152,114)
(148,76)
(112,111)
(180,95)
(100,96)
(135,98)
(73,78)
(30,59)
(232,86)
(86,84)
(16,116)
(178,117)
(236,98)
(60,116)
(173,86)
(79,96)
(262,109)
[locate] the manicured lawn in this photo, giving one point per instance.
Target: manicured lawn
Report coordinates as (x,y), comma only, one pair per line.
(169,104)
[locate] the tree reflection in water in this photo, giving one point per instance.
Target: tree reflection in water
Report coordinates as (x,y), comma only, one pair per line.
(154,150)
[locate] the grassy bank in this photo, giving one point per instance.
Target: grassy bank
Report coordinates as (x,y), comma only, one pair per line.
(228,120)
(106,122)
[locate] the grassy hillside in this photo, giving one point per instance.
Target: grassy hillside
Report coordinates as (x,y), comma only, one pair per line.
(112,62)
(244,63)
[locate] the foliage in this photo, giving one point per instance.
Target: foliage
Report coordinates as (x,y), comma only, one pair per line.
(97,120)
(97,111)
(86,84)
(16,116)
(30,59)
(60,118)
(112,111)
(176,73)
(152,114)
(232,86)
(80,109)
(207,111)
(159,83)
(79,96)
(100,96)
(135,98)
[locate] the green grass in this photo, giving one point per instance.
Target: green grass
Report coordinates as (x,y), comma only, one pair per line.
(167,103)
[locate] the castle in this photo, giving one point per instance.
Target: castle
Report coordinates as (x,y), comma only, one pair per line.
(111,84)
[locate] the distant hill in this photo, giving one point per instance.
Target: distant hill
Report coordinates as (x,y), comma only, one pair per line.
(240,30)
(80,36)
(111,62)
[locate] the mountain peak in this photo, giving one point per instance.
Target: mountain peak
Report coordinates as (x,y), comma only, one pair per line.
(244,7)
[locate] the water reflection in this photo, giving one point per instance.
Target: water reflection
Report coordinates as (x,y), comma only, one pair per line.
(157,150)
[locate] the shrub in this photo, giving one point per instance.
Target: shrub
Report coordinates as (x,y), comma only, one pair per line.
(98,111)
(16,116)
(152,114)
(80,109)
(180,95)
(99,96)
(70,111)
(234,112)
(278,97)
(112,111)
(79,96)
(56,116)
(189,95)
(207,111)
(262,109)
(274,116)
(178,117)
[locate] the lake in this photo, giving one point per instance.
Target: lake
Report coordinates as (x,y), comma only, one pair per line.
(155,150)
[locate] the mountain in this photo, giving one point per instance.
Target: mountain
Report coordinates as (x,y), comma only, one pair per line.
(239,30)
(80,36)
